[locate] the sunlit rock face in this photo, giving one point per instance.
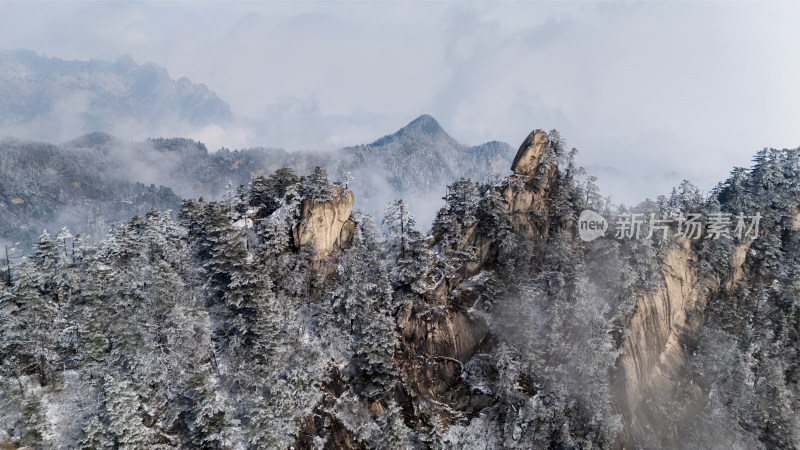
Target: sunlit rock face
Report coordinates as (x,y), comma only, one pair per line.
(525,193)
(654,357)
(326,225)
(530,152)
(525,198)
(652,370)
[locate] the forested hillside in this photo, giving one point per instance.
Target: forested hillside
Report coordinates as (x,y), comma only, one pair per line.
(78,185)
(278,317)
(92,181)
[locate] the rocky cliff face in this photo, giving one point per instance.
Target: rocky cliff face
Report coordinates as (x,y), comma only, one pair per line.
(653,364)
(443,330)
(450,334)
(533,147)
(325,225)
(654,358)
(653,369)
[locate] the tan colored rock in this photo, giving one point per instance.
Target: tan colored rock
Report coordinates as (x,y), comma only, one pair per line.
(529,153)
(653,366)
(528,205)
(445,341)
(796,220)
(326,225)
(654,358)
(523,200)
(737,265)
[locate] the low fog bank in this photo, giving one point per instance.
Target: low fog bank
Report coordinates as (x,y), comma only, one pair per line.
(90,182)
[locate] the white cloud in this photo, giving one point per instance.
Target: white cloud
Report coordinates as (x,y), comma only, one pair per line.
(216,136)
(657,90)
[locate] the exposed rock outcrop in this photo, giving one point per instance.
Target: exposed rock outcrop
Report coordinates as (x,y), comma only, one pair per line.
(653,367)
(530,152)
(524,196)
(325,225)
(443,340)
(448,333)
(654,357)
(737,265)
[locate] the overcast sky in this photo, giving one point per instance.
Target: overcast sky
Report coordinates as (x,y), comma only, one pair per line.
(649,92)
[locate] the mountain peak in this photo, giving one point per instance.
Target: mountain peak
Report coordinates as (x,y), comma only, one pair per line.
(422,129)
(426,124)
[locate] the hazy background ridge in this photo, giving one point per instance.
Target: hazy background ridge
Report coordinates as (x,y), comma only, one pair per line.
(649,92)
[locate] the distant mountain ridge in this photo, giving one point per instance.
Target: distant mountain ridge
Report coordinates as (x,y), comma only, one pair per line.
(54,99)
(416,163)
(421,155)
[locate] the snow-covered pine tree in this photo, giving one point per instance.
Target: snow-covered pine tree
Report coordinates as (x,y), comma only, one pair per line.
(361,303)
(63,240)
(400,223)
(451,223)
(192,216)
(395,432)
(221,249)
(27,335)
(95,435)
(434,438)
(408,254)
(46,261)
(318,185)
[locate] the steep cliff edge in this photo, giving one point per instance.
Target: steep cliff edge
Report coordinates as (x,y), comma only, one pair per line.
(625,359)
(653,364)
(651,367)
(444,331)
(325,225)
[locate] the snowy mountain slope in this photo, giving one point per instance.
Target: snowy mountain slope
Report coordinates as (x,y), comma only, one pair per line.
(52,99)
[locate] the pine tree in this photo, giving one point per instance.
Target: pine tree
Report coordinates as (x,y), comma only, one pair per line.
(281,181)
(95,435)
(265,194)
(361,303)
(400,223)
(191,216)
(434,437)
(22,414)
(459,214)
(221,249)
(46,261)
(494,218)
(275,237)
(63,239)
(253,311)
(122,406)
(347,178)
(318,185)
(395,432)
(127,244)
(27,338)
